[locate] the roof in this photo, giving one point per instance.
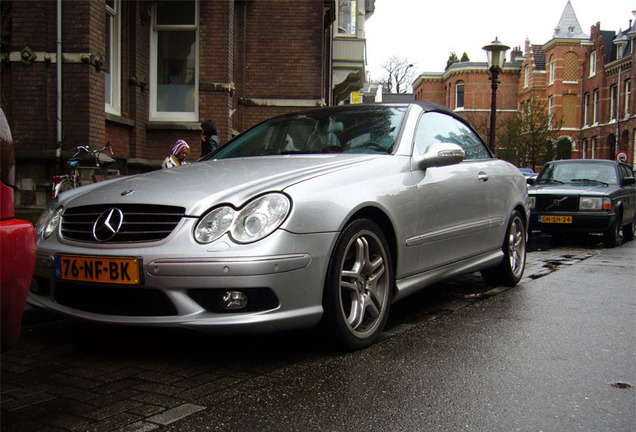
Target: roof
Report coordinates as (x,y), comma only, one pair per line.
(539,57)
(398,97)
(568,26)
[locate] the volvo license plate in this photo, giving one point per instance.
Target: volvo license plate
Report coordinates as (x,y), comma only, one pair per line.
(556,219)
(103,269)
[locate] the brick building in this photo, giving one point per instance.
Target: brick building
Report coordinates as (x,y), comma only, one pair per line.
(585,81)
(140,74)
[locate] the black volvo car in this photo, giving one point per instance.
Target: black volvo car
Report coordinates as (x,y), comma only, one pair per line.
(584,196)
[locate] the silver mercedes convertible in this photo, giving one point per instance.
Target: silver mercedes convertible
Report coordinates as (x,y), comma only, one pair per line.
(320,217)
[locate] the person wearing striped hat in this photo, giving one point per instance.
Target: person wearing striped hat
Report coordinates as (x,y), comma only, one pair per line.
(178,155)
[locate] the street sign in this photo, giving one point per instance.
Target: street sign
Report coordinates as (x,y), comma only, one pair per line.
(622,156)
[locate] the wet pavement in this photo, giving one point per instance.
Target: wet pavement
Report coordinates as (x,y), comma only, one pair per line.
(68,375)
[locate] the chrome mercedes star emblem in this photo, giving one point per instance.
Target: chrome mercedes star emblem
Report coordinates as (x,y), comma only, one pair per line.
(108,224)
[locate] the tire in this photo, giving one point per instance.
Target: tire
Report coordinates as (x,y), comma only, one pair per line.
(510,270)
(614,235)
(629,230)
(358,286)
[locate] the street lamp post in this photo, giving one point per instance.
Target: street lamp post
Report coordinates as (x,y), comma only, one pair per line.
(496,53)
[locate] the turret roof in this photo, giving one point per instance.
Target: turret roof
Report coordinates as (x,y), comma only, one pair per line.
(568,26)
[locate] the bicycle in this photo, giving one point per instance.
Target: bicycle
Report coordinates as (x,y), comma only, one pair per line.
(64,182)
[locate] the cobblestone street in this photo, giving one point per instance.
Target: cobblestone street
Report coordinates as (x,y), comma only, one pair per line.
(68,375)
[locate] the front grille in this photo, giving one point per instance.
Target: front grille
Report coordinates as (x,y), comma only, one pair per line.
(557,203)
(141,223)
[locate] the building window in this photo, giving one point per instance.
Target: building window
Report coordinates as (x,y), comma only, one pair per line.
(174,61)
(526,76)
(584,150)
(459,95)
(596,102)
(551,72)
(550,111)
(594,148)
(628,95)
(586,112)
(613,102)
(112,60)
(347,17)
(593,64)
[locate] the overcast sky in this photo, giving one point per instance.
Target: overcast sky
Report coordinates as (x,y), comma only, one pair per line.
(425,32)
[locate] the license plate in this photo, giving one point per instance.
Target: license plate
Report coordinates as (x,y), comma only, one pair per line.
(115,270)
(556,219)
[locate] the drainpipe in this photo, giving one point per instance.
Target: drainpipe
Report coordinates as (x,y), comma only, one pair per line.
(58,150)
(618,113)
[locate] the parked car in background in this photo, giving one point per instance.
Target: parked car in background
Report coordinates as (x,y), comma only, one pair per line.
(17,246)
(327,215)
(528,173)
(585,196)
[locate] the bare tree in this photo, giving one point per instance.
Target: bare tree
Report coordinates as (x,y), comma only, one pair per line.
(528,138)
(399,75)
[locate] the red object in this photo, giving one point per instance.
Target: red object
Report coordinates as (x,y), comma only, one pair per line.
(17,262)
(17,246)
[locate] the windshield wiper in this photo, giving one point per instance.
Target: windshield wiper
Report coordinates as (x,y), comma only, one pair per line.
(549,181)
(589,180)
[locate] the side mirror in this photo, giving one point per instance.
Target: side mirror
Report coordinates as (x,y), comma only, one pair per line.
(438,155)
(530,181)
(627,181)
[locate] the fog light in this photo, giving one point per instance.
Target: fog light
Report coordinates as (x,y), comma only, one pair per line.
(233,300)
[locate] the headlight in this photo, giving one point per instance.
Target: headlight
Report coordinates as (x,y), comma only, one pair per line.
(259,218)
(531,202)
(49,220)
(214,225)
(595,203)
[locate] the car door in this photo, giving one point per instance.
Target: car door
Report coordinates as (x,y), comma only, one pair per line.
(453,201)
(628,193)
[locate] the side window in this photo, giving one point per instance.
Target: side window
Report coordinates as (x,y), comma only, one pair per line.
(435,128)
(471,143)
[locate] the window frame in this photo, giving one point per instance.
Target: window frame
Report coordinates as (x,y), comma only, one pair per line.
(613,102)
(354,12)
(596,102)
(551,72)
(586,110)
(628,95)
(114,61)
(592,64)
(459,84)
(186,116)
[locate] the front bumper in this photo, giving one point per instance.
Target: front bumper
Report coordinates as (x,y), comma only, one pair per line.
(284,290)
(582,222)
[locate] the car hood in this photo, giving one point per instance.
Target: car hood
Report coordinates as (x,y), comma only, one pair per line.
(570,189)
(200,185)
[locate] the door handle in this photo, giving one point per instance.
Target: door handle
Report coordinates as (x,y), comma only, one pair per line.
(482,176)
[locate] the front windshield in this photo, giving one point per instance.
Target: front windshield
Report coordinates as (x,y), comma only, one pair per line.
(364,130)
(578,173)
